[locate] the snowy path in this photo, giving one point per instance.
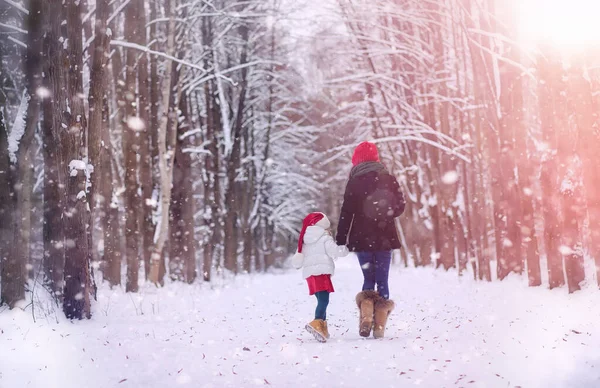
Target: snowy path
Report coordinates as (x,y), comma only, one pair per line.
(445,332)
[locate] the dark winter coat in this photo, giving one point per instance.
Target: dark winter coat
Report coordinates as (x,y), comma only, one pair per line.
(371,202)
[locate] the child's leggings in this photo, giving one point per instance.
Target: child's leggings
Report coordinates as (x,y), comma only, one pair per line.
(322,302)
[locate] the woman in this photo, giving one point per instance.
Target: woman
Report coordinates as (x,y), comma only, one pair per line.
(372,201)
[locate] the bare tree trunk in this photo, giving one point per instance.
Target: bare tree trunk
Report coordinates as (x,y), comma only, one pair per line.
(99,55)
(177,245)
(22,179)
(247,201)
(588,146)
(189,208)
(154,125)
(182,256)
(110,207)
(6,215)
(574,214)
(131,127)
(76,303)
(99,142)
(13,284)
(165,156)
(146,181)
(213,185)
(510,127)
(577,122)
(55,78)
(482,128)
(23,191)
(525,163)
(511,260)
(551,75)
(231,198)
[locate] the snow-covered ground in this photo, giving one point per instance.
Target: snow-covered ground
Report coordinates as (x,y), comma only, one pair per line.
(445,332)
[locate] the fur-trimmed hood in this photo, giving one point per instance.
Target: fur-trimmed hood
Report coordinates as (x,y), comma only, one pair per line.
(314,233)
(318,251)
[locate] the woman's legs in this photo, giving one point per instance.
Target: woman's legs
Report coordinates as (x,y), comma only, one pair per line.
(367,264)
(322,302)
(376,271)
(383,261)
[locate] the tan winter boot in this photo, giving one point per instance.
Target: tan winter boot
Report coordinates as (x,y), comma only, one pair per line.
(365,300)
(316,329)
(383,308)
(325,330)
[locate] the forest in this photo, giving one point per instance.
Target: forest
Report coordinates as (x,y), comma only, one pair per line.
(150,142)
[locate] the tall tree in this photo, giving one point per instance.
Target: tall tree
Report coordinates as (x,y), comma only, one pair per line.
(132,126)
(588,122)
(551,97)
(78,282)
(55,121)
(182,244)
(13,285)
(232,192)
(145,84)
(166,148)
(99,144)
(23,183)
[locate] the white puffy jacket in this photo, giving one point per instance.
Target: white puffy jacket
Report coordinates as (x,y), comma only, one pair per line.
(318,251)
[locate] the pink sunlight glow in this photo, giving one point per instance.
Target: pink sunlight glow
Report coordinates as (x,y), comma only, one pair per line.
(567,24)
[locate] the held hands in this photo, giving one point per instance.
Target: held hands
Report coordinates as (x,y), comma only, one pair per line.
(335,250)
(342,251)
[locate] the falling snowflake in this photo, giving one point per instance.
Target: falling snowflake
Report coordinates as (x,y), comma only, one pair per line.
(565,250)
(43,92)
(136,123)
(450,177)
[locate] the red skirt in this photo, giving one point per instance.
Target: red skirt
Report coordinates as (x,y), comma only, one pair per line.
(319,283)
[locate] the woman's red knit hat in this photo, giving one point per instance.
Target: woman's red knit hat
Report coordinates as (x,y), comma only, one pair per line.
(365,152)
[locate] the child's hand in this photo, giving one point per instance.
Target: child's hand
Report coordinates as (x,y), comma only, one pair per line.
(342,251)
(333,250)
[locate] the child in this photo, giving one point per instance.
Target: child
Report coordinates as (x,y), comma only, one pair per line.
(316,251)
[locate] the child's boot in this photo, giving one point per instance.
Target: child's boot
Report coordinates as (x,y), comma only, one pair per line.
(383,308)
(325,329)
(316,329)
(365,300)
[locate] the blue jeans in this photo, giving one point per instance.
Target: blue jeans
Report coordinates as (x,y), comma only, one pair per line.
(322,302)
(376,270)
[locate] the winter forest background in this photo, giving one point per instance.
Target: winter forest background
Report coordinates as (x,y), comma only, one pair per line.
(151,142)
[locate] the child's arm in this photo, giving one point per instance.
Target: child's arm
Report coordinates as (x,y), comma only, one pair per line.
(333,250)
